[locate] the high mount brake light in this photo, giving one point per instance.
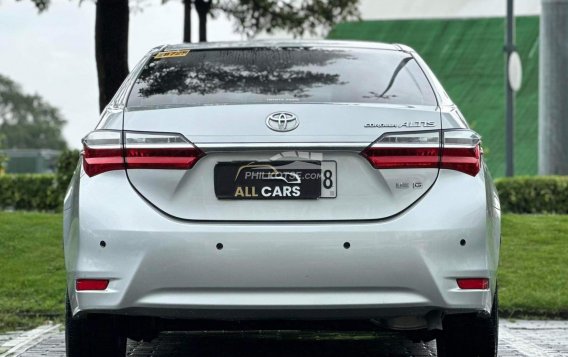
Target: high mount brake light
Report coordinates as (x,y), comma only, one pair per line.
(104,151)
(456,150)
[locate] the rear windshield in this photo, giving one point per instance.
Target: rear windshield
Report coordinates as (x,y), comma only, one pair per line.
(280,75)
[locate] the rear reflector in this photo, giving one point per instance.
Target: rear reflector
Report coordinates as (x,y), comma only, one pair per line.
(473,283)
(456,150)
(91,284)
(104,151)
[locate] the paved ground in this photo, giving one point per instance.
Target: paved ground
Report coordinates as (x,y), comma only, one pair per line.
(520,338)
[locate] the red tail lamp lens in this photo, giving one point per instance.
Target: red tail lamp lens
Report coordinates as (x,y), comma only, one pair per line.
(402,158)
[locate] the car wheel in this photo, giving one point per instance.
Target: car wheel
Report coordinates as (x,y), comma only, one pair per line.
(93,336)
(470,335)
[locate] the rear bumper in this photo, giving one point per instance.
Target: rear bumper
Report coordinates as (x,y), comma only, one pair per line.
(160,267)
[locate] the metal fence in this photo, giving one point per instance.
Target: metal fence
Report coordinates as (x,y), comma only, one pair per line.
(31,160)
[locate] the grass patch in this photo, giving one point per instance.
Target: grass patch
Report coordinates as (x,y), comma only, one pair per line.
(533,272)
(32,278)
(532,276)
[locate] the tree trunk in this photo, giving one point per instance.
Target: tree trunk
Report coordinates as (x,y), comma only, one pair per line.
(111,47)
(203,7)
(203,27)
(187,21)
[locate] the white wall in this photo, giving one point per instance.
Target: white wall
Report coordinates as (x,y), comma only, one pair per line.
(412,9)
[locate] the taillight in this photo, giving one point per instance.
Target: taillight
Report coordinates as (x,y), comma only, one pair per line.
(456,150)
(104,151)
(462,151)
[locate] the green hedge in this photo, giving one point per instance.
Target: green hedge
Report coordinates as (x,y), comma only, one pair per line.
(31,192)
(539,194)
(66,165)
(38,192)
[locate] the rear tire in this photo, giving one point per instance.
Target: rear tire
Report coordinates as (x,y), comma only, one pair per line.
(96,335)
(470,335)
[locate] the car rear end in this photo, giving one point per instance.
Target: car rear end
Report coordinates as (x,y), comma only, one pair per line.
(271,182)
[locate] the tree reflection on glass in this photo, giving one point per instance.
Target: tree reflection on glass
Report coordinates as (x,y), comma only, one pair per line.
(271,72)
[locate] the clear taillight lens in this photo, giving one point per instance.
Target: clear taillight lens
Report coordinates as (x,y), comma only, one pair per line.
(405,151)
(104,151)
(160,151)
(454,150)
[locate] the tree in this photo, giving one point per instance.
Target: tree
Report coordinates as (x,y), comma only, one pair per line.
(41,5)
(297,17)
(3,157)
(187,21)
(251,17)
(27,121)
(211,75)
(254,16)
(111,47)
(203,8)
(187,9)
(111,44)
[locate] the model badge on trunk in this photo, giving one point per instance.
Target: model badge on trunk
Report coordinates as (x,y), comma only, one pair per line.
(406,124)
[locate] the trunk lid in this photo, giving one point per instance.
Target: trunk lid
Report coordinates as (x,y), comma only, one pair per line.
(329,132)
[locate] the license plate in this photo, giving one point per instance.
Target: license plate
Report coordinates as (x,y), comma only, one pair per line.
(275,180)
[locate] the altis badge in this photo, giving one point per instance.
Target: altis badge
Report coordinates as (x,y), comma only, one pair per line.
(406,124)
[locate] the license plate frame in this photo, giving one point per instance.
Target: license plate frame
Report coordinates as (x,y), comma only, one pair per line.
(275,180)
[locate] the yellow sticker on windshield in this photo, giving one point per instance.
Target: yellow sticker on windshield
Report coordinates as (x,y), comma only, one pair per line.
(170,54)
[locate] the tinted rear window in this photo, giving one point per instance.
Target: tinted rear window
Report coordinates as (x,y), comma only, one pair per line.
(281,75)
